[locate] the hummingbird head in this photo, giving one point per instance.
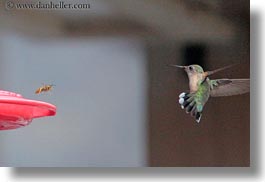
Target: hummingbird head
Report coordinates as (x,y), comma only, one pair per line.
(195,74)
(191,69)
(195,69)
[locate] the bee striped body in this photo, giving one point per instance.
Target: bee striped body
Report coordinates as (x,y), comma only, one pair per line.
(44,88)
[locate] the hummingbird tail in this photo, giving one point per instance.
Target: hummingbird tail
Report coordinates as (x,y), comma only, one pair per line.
(198,117)
(186,101)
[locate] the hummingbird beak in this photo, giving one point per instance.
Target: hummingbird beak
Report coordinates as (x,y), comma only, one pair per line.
(177,66)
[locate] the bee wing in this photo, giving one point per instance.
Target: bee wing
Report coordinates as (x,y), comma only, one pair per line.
(228,87)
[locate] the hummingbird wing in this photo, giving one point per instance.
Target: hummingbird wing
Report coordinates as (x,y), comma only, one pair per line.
(229,87)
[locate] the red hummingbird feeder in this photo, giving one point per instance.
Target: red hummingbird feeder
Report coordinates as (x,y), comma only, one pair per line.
(16,111)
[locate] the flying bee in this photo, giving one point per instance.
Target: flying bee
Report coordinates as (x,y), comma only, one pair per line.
(44,88)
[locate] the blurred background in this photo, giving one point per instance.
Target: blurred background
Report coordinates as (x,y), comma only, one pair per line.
(116,98)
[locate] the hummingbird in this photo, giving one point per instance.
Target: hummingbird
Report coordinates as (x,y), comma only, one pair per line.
(201,88)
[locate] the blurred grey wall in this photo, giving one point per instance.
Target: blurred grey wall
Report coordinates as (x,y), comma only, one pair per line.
(100,96)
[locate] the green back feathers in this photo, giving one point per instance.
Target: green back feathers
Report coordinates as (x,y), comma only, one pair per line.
(194,102)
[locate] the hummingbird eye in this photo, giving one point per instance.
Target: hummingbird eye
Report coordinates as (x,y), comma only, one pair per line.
(190,68)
